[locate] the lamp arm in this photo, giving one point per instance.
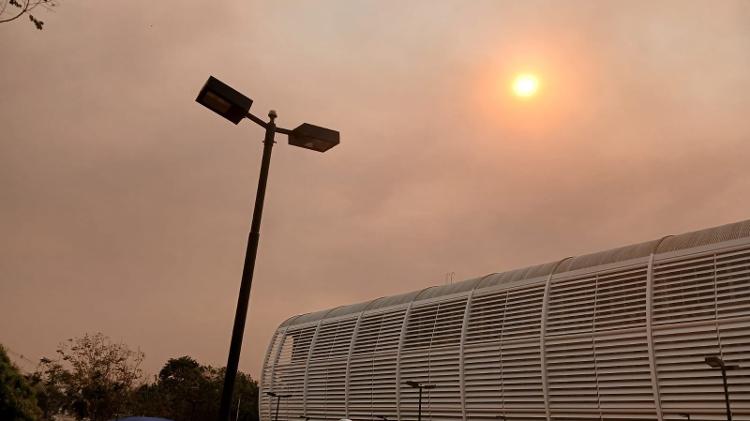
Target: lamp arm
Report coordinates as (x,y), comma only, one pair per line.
(257,120)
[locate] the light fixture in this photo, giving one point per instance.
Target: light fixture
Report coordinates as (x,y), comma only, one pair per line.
(314,137)
(223,100)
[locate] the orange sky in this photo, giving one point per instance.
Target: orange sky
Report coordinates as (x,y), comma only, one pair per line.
(124,205)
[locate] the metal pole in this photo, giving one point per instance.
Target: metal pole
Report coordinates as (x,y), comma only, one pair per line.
(726,392)
(243,300)
(419,411)
(278,403)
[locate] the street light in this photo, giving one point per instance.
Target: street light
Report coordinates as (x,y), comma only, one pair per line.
(420,386)
(716,362)
(305,417)
(232,105)
(278,397)
(687,416)
(382,417)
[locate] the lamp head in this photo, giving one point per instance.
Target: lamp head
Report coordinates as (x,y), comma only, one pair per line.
(223,100)
(314,137)
(714,361)
(412,383)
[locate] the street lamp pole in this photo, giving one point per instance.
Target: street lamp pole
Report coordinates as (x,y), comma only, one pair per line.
(234,106)
(278,397)
(240,316)
(420,386)
(726,391)
(716,362)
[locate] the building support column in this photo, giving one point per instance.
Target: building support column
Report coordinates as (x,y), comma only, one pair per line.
(347,381)
(272,373)
(461,357)
(542,337)
(401,338)
(650,331)
(307,366)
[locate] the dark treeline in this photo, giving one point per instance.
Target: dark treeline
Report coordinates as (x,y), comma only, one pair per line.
(92,378)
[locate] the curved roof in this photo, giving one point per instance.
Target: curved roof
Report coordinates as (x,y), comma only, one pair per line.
(666,244)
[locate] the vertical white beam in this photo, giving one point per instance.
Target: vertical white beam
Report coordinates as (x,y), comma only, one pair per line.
(307,366)
(401,338)
(650,333)
(543,335)
(461,369)
(593,344)
(542,346)
(716,308)
(349,361)
(272,373)
(265,380)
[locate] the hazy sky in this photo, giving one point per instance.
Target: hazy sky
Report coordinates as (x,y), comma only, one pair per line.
(125,205)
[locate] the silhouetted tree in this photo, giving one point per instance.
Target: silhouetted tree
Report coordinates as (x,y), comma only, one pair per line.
(188,391)
(185,388)
(17,400)
(23,7)
(92,377)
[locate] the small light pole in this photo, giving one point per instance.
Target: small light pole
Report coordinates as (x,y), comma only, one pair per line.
(382,417)
(420,386)
(232,105)
(716,362)
(686,416)
(500,417)
(305,417)
(278,397)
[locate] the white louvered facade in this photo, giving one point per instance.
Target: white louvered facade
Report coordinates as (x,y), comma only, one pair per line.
(616,335)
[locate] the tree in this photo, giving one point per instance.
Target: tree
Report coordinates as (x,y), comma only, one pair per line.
(17,400)
(23,7)
(93,376)
(188,391)
(185,389)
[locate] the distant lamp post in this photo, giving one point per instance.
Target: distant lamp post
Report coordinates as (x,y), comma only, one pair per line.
(500,417)
(716,362)
(305,417)
(382,417)
(232,105)
(420,386)
(686,416)
(278,397)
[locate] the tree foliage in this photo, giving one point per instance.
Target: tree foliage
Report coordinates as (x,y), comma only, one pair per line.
(24,7)
(186,390)
(17,400)
(91,378)
(95,379)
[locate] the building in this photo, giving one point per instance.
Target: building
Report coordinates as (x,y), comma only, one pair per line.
(616,335)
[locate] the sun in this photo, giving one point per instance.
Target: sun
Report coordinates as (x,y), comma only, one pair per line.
(525,85)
